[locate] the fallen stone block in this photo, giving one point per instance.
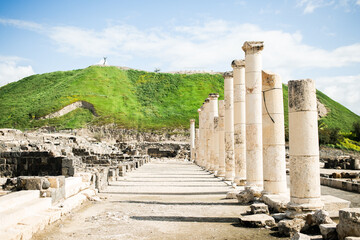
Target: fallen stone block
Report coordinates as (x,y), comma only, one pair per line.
(290,227)
(300,236)
(259,208)
(231,194)
(328,231)
(257,221)
(349,223)
(250,194)
(352,238)
(279,216)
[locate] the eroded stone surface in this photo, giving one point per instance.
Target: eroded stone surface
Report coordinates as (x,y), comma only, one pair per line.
(349,223)
(257,220)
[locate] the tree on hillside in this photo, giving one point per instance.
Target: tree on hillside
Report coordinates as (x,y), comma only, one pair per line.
(356,130)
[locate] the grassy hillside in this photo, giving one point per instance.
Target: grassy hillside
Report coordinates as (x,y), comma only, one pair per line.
(131,99)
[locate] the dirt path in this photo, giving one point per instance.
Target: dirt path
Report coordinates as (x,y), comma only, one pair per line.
(160,200)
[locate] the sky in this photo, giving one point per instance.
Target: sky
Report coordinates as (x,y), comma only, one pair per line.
(317,39)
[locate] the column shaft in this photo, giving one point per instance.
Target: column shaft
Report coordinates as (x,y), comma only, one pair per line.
(229,127)
(304,144)
(192,139)
(239,121)
(253,102)
(221,134)
(273,134)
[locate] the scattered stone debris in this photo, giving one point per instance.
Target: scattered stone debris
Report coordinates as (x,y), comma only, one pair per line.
(257,221)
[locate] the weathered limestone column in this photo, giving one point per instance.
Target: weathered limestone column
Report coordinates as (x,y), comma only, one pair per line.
(229,126)
(221,134)
(273,134)
(201,139)
(303,146)
(207,122)
(253,107)
(192,139)
(213,112)
(216,145)
(197,136)
(239,121)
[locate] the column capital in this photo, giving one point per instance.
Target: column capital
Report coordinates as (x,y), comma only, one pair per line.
(238,63)
(228,74)
(253,46)
(192,120)
(213,96)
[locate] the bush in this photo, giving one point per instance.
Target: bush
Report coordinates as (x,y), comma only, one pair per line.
(330,136)
(356,130)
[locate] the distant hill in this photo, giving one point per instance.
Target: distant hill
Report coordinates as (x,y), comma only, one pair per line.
(128,98)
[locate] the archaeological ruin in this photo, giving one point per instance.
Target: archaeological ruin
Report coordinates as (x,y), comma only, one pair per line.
(232,171)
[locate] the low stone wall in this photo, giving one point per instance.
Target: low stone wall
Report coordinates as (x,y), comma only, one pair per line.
(350,186)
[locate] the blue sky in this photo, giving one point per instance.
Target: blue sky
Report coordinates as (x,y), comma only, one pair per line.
(318,39)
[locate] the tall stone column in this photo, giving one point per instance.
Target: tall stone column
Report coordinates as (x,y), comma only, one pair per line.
(216,145)
(273,134)
(192,139)
(229,126)
(213,112)
(221,134)
(303,146)
(207,122)
(197,136)
(200,157)
(239,121)
(253,107)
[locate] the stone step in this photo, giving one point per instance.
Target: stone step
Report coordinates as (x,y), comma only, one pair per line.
(12,200)
(13,216)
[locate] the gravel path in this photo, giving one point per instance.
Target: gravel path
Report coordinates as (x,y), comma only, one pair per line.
(169,199)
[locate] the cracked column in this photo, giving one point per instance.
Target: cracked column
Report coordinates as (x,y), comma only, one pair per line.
(192,139)
(273,134)
(239,121)
(221,134)
(229,126)
(213,112)
(253,107)
(303,146)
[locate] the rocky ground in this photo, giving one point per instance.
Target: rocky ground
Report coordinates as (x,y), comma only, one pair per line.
(161,200)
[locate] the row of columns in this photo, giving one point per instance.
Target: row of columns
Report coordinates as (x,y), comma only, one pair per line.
(242,139)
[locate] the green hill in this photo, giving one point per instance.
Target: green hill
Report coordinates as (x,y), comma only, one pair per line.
(128,98)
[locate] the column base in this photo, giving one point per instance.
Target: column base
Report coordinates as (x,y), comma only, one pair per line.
(220,173)
(240,181)
(297,210)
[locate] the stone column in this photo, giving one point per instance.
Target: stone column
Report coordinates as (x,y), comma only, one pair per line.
(197,136)
(213,112)
(192,139)
(273,134)
(200,157)
(253,107)
(216,145)
(207,134)
(303,146)
(229,126)
(221,134)
(239,121)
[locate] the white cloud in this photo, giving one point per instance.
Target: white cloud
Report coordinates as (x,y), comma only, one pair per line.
(22,24)
(343,89)
(204,46)
(358,2)
(311,5)
(11,71)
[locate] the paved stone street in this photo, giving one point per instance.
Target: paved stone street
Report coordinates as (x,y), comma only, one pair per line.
(160,200)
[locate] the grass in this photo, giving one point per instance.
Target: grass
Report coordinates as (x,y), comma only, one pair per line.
(128,98)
